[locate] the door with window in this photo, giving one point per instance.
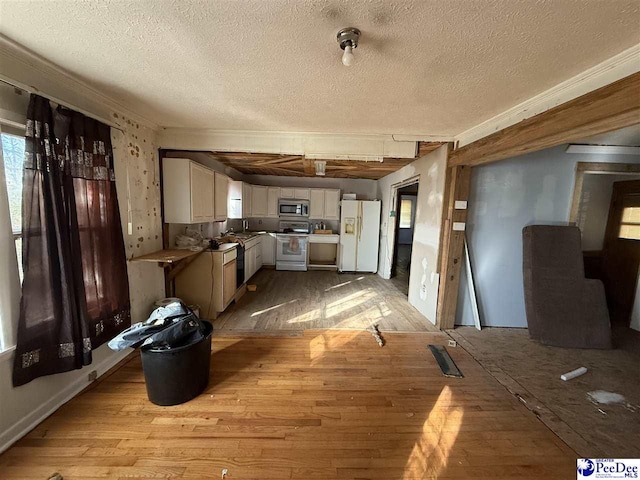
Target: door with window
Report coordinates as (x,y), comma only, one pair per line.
(622,250)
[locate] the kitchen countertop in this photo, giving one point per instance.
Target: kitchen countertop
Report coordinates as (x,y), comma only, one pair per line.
(225,247)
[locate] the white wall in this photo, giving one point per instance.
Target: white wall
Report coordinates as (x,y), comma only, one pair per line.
(505,197)
(135,157)
(424,279)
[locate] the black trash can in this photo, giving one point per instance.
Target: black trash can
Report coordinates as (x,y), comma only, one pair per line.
(179,374)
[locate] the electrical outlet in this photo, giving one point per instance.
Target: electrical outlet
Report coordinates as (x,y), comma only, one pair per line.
(93,375)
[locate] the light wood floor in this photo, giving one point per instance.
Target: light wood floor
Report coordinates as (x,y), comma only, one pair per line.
(323,405)
(295,301)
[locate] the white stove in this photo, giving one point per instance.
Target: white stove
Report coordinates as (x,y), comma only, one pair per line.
(291,245)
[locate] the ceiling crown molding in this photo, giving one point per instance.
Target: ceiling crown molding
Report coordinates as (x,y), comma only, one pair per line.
(25,69)
(613,69)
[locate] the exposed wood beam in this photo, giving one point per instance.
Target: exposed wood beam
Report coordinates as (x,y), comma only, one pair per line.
(459,180)
(299,166)
(608,108)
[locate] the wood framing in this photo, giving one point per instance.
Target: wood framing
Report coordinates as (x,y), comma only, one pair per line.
(299,166)
(599,168)
(608,108)
(459,183)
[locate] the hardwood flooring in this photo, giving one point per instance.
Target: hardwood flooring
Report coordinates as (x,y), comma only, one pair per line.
(296,301)
(532,371)
(325,405)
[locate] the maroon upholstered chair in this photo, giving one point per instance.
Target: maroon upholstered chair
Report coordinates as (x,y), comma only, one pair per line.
(564,309)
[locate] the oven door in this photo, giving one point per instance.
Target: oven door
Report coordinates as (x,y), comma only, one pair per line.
(291,252)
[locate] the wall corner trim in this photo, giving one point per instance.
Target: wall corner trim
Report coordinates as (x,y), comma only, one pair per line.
(611,70)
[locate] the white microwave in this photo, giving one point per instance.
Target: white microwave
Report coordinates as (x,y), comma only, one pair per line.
(293,208)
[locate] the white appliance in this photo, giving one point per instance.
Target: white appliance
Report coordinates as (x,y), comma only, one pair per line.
(291,246)
(359,236)
(293,208)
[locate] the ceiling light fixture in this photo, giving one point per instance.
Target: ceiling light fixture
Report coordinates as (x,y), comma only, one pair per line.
(321,166)
(348,40)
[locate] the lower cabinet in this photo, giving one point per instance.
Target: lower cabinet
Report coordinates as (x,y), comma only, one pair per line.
(252,257)
(268,249)
(228,281)
(209,282)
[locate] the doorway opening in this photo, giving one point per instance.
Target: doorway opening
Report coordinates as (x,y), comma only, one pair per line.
(607,210)
(406,201)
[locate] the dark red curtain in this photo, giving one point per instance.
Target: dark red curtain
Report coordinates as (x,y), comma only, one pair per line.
(75,292)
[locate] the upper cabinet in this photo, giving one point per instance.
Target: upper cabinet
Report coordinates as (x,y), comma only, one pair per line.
(246,200)
(273,195)
(239,199)
(293,192)
(188,191)
(332,204)
(324,204)
(221,197)
(259,196)
(316,203)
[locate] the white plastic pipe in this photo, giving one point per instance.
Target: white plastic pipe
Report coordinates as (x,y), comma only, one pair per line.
(573,374)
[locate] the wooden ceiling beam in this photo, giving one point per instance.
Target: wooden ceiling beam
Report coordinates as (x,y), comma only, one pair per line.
(608,108)
(299,166)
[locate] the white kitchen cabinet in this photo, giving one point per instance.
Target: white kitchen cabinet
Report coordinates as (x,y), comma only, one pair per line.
(239,199)
(331,204)
(249,262)
(273,195)
(286,192)
(246,200)
(316,204)
(259,200)
(324,204)
(188,191)
(221,197)
(301,193)
(252,257)
(268,248)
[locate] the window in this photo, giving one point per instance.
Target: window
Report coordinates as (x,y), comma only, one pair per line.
(13,156)
(630,224)
(406,213)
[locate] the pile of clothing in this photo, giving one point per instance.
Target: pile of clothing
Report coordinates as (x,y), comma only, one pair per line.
(168,327)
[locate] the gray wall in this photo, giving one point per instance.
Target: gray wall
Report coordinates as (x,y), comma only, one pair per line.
(505,197)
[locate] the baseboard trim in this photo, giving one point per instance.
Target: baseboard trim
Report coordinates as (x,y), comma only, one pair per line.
(29,422)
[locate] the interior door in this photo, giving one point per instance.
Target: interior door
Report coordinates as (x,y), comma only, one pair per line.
(621,253)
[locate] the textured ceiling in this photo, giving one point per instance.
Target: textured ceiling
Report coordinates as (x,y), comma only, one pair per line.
(424,67)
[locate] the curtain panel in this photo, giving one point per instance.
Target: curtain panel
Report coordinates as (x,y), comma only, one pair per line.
(75,292)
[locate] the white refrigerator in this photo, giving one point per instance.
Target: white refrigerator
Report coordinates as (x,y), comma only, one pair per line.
(359,235)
